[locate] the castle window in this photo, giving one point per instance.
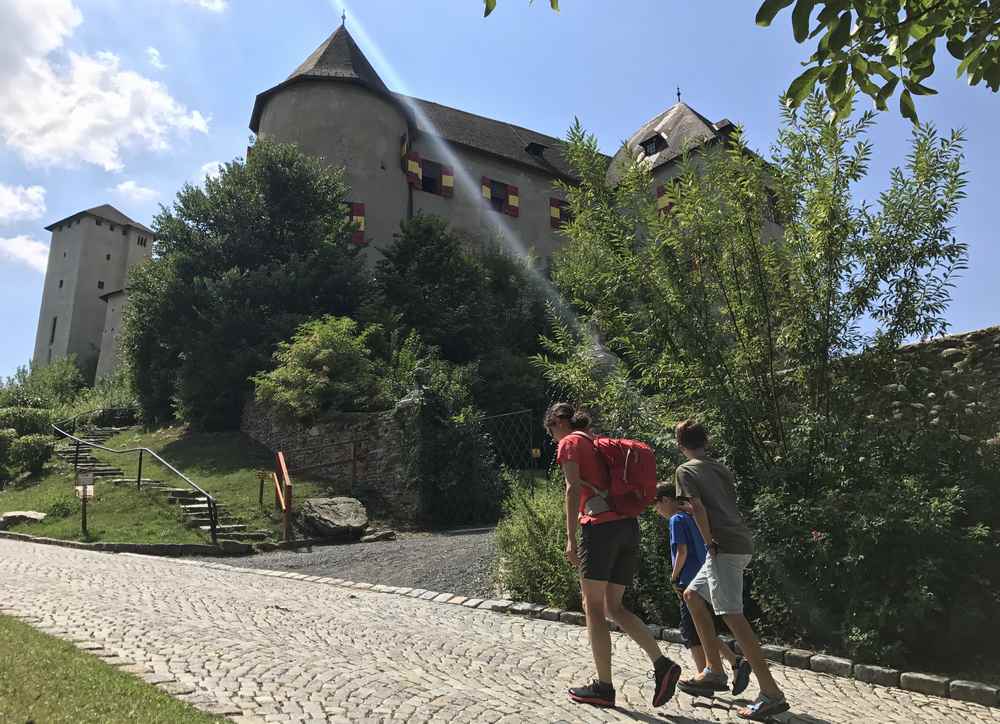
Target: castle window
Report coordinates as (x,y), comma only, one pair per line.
(654,144)
(535,149)
(107,257)
(100,285)
(559,213)
(501,196)
(99,222)
(112,226)
(431,173)
(356,216)
(52,334)
(60,283)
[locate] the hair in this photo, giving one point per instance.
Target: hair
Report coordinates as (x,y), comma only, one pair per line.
(666,490)
(691,434)
(578,420)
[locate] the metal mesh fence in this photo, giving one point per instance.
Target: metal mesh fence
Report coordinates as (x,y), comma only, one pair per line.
(519,440)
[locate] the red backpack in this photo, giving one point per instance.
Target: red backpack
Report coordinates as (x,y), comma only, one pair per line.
(631,469)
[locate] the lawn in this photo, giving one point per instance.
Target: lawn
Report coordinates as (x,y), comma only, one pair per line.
(44,679)
(224,464)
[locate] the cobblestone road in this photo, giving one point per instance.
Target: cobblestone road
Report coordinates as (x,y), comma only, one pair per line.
(288,649)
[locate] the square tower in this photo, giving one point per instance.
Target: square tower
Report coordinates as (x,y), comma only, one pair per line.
(90,256)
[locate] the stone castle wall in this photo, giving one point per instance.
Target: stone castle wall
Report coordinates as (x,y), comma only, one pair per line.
(359,454)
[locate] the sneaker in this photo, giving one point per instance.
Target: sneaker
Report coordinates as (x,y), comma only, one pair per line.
(596,693)
(741,675)
(665,674)
(708,682)
(764,708)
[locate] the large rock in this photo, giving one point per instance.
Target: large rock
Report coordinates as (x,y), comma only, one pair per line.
(20,516)
(341,518)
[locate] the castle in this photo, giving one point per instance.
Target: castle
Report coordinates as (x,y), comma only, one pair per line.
(401,156)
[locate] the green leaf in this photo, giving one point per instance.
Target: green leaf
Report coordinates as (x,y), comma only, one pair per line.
(490,7)
(802,86)
(917,89)
(770,8)
(837,83)
(864,83)
(906,106)
(957,48)
(554,4)
(841,32)
(887,90)
(800,19)
(969,60)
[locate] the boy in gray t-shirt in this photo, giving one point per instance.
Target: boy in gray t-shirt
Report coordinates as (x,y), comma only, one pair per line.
(710,486)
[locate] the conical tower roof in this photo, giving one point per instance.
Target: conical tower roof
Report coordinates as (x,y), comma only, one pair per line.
(338,58)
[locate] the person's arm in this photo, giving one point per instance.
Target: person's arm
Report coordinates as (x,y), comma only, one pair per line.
(679,560)
(701,519)
(571,471)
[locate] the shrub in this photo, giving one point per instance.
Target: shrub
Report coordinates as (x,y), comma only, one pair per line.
(31,452)
(63,508)
(56,383)
(531,543)
(26,420)
(7,438)
(326,366)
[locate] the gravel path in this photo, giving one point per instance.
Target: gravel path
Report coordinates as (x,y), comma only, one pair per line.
(455,562)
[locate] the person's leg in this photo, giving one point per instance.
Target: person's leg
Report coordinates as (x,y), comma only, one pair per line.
(751,649)
(696,597)
(631,624)
(690,635)
(597,627)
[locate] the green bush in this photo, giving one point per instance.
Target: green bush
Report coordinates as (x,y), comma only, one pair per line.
(531,543)
(7,438)
(26,420)
(327,366)
(57,383)
(31,452)
(63,508)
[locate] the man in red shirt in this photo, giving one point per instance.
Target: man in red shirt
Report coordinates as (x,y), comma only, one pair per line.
(607,558)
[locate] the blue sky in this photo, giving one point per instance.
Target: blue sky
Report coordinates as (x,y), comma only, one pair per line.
(113,101)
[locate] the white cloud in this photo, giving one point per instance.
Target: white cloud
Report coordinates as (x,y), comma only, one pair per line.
(25,250)
(131,190)
(209,170)
(63,108)
(21,203)
(215,6)
(154,58)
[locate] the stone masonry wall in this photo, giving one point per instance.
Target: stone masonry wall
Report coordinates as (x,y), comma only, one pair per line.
(359,454)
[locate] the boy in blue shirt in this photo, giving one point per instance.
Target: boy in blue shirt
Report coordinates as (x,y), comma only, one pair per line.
(687,554)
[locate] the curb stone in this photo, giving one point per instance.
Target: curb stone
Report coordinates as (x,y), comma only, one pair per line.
(924,683)
(799,658)
(832,665)
(774,653)
(876,675)
(974,691)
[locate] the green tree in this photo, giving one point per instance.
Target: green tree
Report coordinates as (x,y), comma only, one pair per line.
(892,42)
(57,383)
(326,366)
(238,266)
(784,338)
(471,301)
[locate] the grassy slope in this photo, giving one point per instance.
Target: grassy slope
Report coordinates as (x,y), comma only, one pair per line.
(43,679)
(224,464)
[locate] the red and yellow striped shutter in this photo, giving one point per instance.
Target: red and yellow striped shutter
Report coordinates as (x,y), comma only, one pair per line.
(447,181)
(485,186)
(414,172)
(358,220)
(662,200)
(513,206)
(555,213)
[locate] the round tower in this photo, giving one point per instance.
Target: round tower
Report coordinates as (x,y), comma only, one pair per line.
(335,107)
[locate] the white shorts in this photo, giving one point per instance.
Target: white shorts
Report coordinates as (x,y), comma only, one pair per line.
(720,582)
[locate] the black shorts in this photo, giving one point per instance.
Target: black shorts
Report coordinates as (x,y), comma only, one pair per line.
(610,551)
(689,634)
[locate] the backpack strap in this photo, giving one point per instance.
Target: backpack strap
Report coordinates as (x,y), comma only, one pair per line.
(603,493)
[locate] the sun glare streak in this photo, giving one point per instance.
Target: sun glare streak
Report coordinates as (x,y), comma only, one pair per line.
(463,177)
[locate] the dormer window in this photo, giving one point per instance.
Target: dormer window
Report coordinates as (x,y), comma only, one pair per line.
(653,144)
(535,149)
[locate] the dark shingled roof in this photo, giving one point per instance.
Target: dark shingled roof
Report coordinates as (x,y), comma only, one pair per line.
(680,126)
(108,213)
(494,137)
(340,59)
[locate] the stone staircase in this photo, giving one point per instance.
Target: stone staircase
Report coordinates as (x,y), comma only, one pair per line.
(192,504)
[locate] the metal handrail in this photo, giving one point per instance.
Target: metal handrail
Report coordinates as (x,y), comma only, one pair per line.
(213,514)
